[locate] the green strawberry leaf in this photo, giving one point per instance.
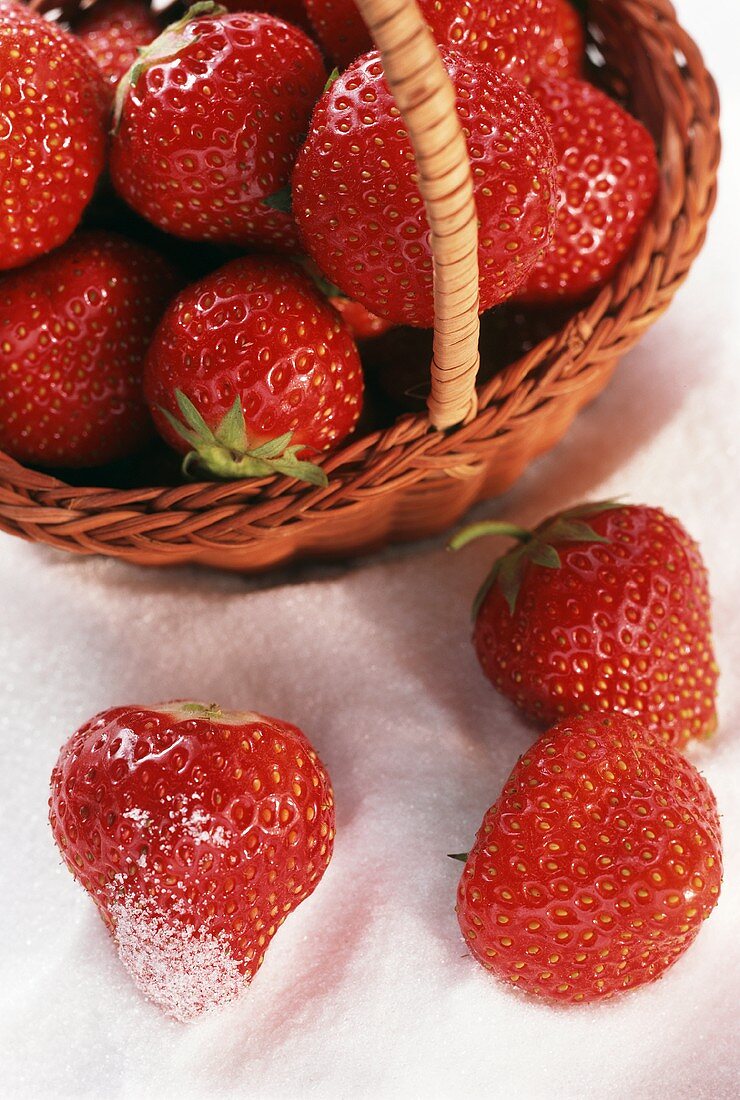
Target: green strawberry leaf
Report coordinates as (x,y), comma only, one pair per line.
(581,511)
(462,856)
(281,200)
(332,79)
(192,417)
(273,447)
(541,553)
(573,530)
(232,431)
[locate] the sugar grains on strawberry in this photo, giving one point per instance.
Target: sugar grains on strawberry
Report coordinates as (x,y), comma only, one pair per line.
(53,123)
(74,331)
(603,607)
(254,372)
(607,181)
(114,31)
(210,126)
(357,202)
(593,871)
(196,831)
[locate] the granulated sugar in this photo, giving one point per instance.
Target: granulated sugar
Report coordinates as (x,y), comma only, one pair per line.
(183,971)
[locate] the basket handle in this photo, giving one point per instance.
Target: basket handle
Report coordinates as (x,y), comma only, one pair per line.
(425,97)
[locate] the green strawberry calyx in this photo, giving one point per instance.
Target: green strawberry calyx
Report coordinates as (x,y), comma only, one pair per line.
(226,453)
(538,547)
(164,48)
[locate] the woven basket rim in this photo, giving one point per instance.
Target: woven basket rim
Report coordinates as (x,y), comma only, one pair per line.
(408,451)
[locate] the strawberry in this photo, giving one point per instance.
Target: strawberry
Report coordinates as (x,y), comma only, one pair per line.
(604,607)
(516,36)
(363,324)
(114,31)
(361,215)
(259,367)
(566,49)
(594,870)
(209,126)
(53,115)
(195,831)
(292,11)
(606,186)
(74,330)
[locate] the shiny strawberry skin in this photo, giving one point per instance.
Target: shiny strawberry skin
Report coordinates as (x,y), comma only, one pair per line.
(607,181)
(219,824)
(74,330)
(53,122)
(513,35)
(566,49)
(363,324)
(594,870)
(292,11)
(358,206)
(113,31)
(206,136)
(259,330)
(623,625)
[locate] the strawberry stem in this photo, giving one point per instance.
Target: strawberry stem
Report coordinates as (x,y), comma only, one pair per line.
(488,527)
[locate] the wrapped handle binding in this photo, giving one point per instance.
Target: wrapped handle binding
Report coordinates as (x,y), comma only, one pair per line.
(426,99)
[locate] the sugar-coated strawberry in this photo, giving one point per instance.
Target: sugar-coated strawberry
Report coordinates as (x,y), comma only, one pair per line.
(594,870)
(196,831)
(604,607)
(114,31)
(607,181)
(74,330)
(357,202)
(53,122)
(253,371)
(210,126)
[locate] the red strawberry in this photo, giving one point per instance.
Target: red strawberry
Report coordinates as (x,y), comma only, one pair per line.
(114,31)
(195,831)
(594,870)
(601,608)
(260,368)
(74,330)
(361,214)
(516,36)
(363,324)
(210,126)
(292,11)
(566,49)
(53,117)
(607,183)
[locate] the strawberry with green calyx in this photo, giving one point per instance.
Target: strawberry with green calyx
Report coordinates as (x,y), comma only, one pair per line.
(208,127)
(604,607)
(251,371)
(227,453)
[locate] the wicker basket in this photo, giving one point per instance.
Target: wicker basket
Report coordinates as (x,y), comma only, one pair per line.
(418,477)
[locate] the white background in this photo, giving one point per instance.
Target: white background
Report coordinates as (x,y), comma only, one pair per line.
(366,990)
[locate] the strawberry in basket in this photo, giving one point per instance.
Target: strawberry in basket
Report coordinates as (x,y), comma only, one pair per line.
(607,180)
(594,870)
(521,37)
(208,126)
(114,31)
(357,202)
(53,121)
(196,831)
(252,373)
(74,331)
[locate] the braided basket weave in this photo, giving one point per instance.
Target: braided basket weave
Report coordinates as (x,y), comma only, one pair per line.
(418,477)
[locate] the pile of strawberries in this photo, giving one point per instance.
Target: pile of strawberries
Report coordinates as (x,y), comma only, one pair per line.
(138,158)
(196,831)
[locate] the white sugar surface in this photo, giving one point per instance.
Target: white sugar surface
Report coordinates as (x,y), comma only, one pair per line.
(366,990)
